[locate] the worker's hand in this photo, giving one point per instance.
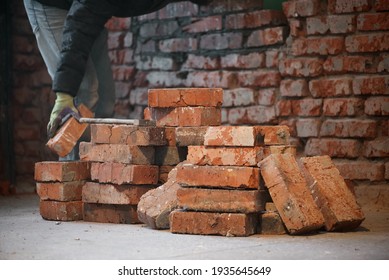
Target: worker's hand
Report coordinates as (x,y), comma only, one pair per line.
(64,105)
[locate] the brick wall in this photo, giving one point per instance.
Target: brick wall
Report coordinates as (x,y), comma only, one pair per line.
(320,67)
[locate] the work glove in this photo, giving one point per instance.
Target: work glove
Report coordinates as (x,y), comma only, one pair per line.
(64,105)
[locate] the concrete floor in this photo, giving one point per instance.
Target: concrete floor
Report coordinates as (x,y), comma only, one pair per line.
(24,235)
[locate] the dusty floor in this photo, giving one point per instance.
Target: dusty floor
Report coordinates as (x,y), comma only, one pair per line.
(25,235)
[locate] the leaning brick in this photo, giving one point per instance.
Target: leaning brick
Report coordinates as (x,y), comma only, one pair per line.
(61,171)
(110,213)
(132,135)
(216,200)
(291,194)
(208,223)
(116,153)
(119,173)
(337,203)
(68,135)
(60,191)
(113,194)
(60,210)
(189,175)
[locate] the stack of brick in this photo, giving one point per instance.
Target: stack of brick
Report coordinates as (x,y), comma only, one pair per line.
(221,191)
(122,159)
(59,186)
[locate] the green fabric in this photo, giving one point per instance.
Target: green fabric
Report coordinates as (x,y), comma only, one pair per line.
(273,4)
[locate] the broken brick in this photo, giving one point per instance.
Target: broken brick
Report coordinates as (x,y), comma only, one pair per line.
(337,203)
(66,138)
(291,194)
(116,153)
(183,97)
(217,200)
(61,210)
(119,173)
(113,194)
(60,191)
(110,213)
(61,171)
(218,176)
(226,224)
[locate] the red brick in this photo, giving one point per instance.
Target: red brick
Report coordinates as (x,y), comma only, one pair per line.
(164,171)
(308,127)
(330,87)
(328,45)
(260,78)
(273,57)
(297,27)
(254,19)
(201,62)
(190,136)
(246,136)
(208,223)
(371,85)
(119,173)
(113,194)
(347,64)
(221,201)
(186,116)
(132,135)
(61,171)
(200,78)
(158,28)
(238,97)
(301,8)
(60,191)
(182,97)
(381,5)
(226,40)
(337,203)
(118,24)
(178,45)
(361,170)
(206,24)
(110,213)
(268,36)
(376,21)
(372,42)
(341,148)
(383,63)
(334,24)
(348,6)
(377,106)
(183,9)
(378,147)
(387,171)
(307,107)
(271,224)
(290,193)
(116,153)
(190,175)
(349,128)
(283,108)
(170,155)
(239,61)
(63,142)
(60,210)
(301,67)
(342,107)
(267,96)
(294,88)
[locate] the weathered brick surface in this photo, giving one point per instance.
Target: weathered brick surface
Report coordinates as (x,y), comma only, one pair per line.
(128,134)
(113,194)
(182,97)
(170,136)
(121,153)
(361,170)
(190,136)
(337,203)
(213,200)
(376,148)
(170,155)
(61,171)
(156,205)
(110,213)
(334,147)
(218,176)
(164,172)
(186,116)
(226,224)
(246,136)
(61,210)
(119,173)
(291,194)
(60,191)
(69,133)
(348,6)
(302,8)
(270,223)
